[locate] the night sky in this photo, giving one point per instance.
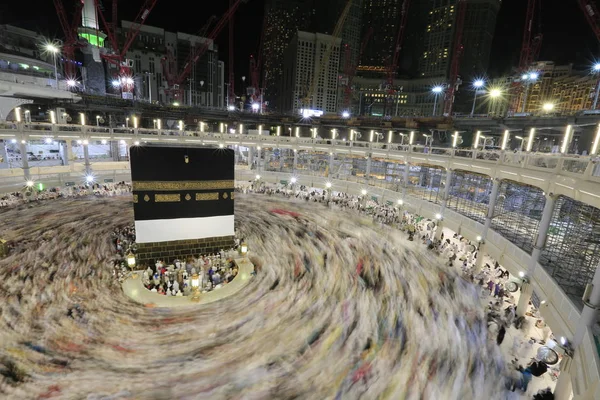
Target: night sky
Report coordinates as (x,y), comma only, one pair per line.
(567,37)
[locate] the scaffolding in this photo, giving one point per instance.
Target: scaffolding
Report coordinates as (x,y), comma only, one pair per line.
(427,182)
(518,213)
(470,194)
(572,251)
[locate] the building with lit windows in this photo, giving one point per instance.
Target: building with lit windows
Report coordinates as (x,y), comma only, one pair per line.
(302,61)
(22,50)
(325,17)
(440,31)
(205,83)
(413,97)
(383,16)
(283,18)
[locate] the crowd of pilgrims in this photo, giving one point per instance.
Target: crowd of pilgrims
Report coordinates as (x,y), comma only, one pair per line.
(34,195)
(459,252)
(383,317)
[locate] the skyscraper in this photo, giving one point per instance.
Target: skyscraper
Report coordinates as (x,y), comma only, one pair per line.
(480,24)
(283,18)
(303,61)
(325,17)
(440,31)
(383,16)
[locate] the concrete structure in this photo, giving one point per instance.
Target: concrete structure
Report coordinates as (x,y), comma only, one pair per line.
(205,84)
(302,62)
(413,99)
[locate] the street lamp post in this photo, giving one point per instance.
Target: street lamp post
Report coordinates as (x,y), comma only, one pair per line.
(531,77)
(478,84)
(54,50)
(436,90)
(596,70)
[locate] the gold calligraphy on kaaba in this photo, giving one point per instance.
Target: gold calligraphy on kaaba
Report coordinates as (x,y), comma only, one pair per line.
(135,198)
(167,198)
(171,186)
(207,196)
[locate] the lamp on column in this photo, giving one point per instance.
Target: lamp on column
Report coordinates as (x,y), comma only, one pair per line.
(195,281)
(131,263)
(244,248)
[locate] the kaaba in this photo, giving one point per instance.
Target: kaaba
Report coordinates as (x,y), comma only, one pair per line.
(183,201)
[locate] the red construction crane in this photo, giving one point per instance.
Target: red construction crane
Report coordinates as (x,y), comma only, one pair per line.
(71,42)
(393,68)
(231,91)
(530,50)
(591,14)
(117,58)
(531,44)
(351,68)
(169,63)
(256,65)
(175,82)
(457,53)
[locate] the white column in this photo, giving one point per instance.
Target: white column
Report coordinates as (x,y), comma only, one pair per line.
(368,170)
(487,224)
(564,385)
(540,241)
(331,157)
(24,159)
(66,152)
(259,159)
(405,175)
(491,207)
(295,161)
(86,160)
(439,229)
(446,190)
(3,155)
(589,315)
(115,150)
(250,157)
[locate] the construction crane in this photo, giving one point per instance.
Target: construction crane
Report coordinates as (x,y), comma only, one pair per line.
(393,67)
(591,15)
(256,64)
(174,81)
(169,63)
(457,53)
(71,43)
(307,101)
(117,58)
(231,91)
(530,50)
(351,67)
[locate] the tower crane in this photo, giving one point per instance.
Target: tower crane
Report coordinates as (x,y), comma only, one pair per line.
(457,53)
(169,63)
(71,42)
(174,81)
(256,64)
(117,57)
(307,101)
(393,67)
(530,50)
(591,15)
(351,69)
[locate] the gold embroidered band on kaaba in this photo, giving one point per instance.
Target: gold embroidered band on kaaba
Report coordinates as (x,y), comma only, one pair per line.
(167,198)
(170,186)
